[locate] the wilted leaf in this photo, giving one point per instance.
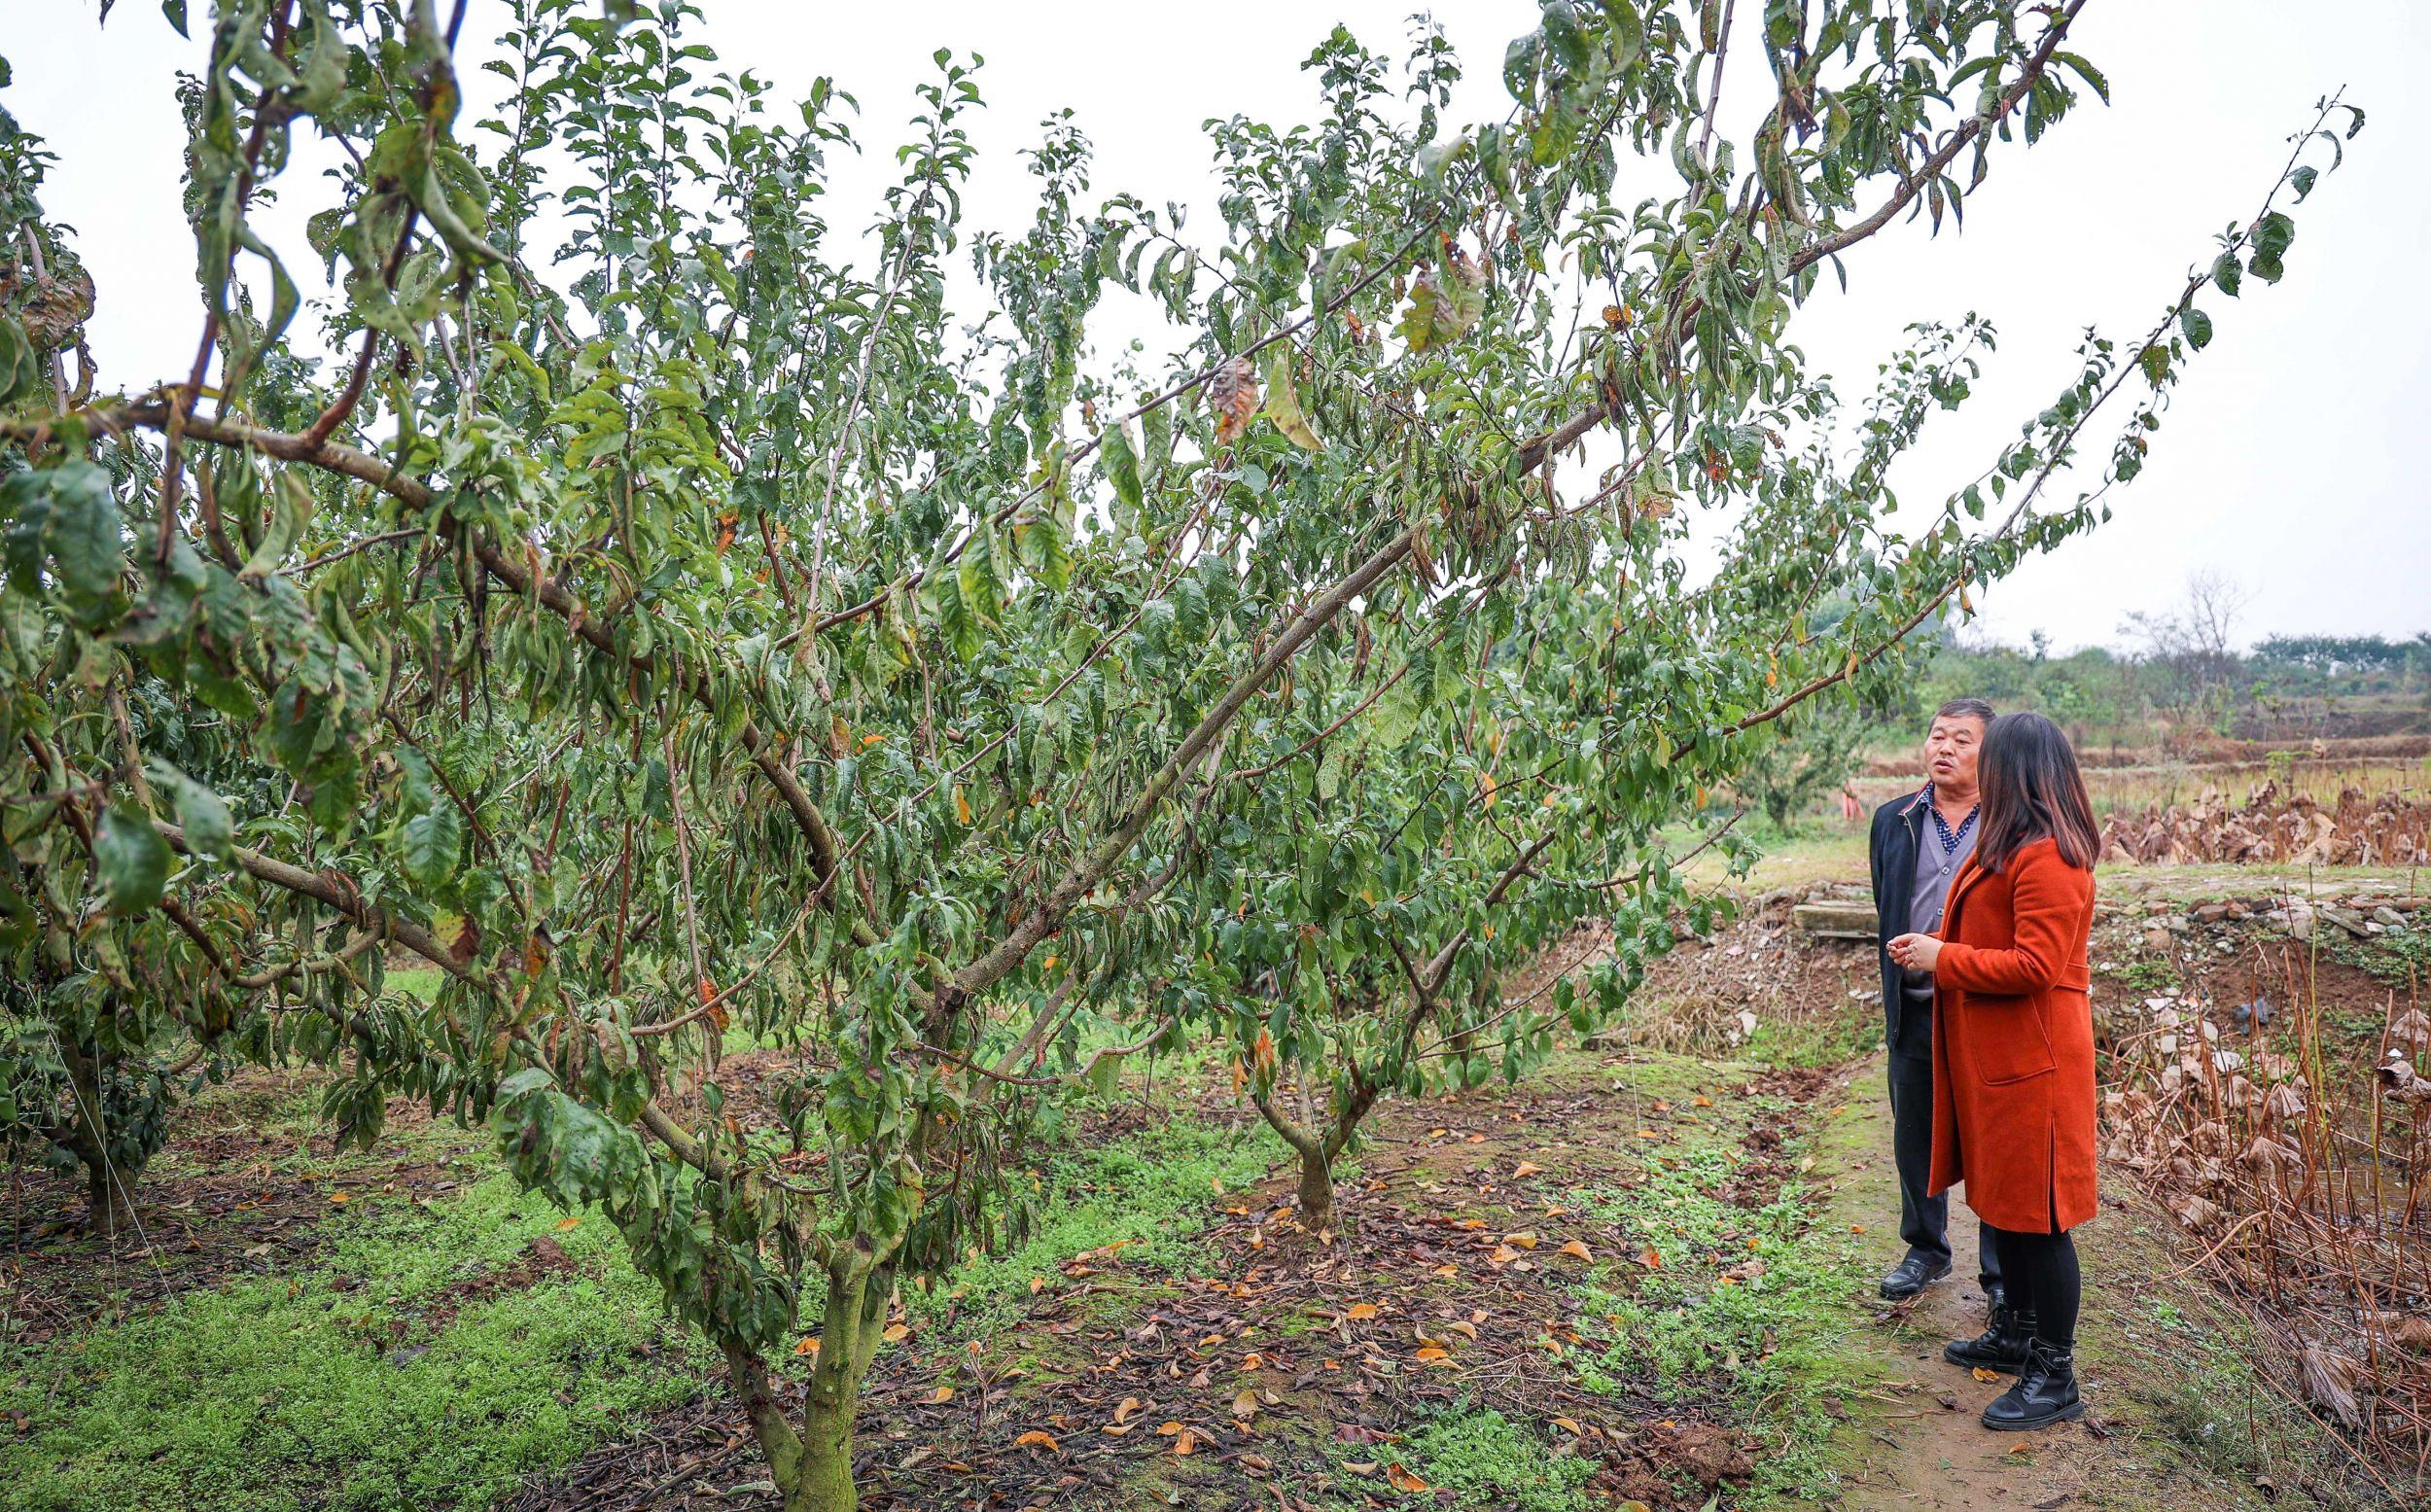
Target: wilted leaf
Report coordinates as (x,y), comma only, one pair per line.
(1036,1439)
(1360,1312)
(1578,1251)
(1232,393)
(941,1396)
(1402,1480)
(1282,400)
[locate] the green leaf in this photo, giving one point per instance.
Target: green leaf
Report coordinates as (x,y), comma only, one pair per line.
(2226,273)
(132,859)
(290,510)
(2198,326)
(433,841)
(83,535)
(1121,465)
(2303,178)
(202,813)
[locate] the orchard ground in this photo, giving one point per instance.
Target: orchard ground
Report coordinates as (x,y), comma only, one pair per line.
(1645,1276)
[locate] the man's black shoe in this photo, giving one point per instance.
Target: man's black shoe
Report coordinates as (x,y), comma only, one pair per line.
(2001,1346)
(1912,1275)
(2045,1392)
(1996,1296)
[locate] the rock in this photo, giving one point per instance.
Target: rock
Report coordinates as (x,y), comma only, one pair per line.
(2346,918)
(2208,913)
(2389,918)
(2299,921)
(2237,908)
(2176,923)
(2157,938)
(1838,919)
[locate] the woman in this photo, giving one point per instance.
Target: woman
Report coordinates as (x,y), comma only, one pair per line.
(2013,1055)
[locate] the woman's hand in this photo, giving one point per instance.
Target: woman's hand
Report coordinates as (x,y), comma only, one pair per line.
(1918,952)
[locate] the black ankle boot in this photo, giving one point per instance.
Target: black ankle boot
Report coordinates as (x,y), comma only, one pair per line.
(2001,1346)
(2045,1392)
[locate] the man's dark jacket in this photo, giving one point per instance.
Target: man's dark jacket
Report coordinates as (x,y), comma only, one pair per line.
(1892,851)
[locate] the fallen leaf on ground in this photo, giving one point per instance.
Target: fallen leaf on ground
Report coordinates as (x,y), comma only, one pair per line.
(1362,1311)
(1578,1250)
(1035,1439)
(1402,1480)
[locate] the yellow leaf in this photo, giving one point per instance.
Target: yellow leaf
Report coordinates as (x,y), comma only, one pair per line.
(1433,1355)
(941,1396)
(1520,1241)
(1035,1439)
(1703,1102)
(808,1347)
(962,804)
(1362,1311)
(896,1333)
(1570,1424)
(1650,1257)
(1169,1427)
(1185,1441)
(1981,1374)
(1124,1409)
(1245,1405)
(1402,1480)
(1525,1168)
(1486,785)
(564,1225)
(1283,402)
(1578,1251)
(340,1196)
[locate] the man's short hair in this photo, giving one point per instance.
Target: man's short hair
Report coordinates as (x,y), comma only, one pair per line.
(1965,708)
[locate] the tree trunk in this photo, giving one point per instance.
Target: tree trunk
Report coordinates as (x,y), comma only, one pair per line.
(109,1207)
(1317,1188)
(816,1473)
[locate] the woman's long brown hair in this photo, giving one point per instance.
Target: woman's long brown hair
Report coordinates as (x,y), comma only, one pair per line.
(2032,788)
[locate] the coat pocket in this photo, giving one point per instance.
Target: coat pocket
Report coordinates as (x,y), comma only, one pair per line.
(2006,1040)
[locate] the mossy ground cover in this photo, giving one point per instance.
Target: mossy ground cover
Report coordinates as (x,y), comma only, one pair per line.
(362,1381)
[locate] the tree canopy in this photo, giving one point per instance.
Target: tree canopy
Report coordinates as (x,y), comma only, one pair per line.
(675,617)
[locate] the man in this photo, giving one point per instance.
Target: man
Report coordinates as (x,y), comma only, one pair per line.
(1918,844)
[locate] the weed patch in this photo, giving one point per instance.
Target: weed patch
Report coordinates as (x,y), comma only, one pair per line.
(333,1389)
(1731,1303)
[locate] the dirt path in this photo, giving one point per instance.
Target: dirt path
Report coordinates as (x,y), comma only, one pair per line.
(2175,1420)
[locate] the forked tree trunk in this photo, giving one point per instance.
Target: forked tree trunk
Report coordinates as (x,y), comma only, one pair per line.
(1316,1151)
(812,1466)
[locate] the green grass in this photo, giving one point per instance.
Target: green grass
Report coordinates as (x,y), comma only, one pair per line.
(340,1387)
(1486,1460)
(1153,1192)
(417,981)
(1851,1029)
(1765,1346)
(329,1390)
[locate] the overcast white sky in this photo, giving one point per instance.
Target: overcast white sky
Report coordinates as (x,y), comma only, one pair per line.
(2286,464)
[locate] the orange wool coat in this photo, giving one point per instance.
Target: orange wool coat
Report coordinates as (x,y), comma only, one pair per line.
(2013,1043)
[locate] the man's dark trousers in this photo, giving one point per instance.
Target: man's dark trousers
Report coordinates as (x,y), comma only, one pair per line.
(1900,827)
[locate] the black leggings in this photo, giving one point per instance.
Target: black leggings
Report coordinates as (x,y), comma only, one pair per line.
(2041,1275)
